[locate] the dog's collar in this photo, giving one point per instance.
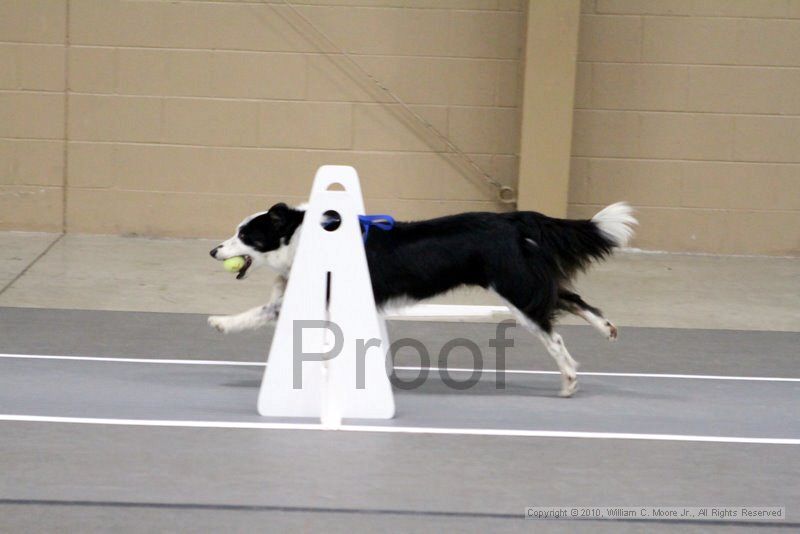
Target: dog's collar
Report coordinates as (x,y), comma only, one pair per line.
(384,222)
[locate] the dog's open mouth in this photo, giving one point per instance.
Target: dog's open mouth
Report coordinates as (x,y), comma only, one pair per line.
(248,261)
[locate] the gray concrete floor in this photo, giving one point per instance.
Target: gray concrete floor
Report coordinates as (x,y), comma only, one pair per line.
(145,298)
(87,477)
(374,482)
(19,251)
(618,404)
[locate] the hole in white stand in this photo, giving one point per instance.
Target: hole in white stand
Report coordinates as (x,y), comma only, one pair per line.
(331,220)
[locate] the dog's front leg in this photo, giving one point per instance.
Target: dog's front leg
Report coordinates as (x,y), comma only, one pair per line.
(253,318)
(249,320)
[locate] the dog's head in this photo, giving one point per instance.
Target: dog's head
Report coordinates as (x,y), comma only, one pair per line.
(265,238)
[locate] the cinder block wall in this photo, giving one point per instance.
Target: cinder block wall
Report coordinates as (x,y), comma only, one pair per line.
(174,118)
(32,113)
(690,109)
(182,117)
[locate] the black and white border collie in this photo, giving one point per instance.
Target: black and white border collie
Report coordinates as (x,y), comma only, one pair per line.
(527,258)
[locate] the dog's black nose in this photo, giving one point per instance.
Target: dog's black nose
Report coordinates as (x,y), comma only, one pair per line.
(214,252)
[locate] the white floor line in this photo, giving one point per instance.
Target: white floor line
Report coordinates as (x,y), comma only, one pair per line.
(131,360)
(598,373)
(398,429)
(401,368)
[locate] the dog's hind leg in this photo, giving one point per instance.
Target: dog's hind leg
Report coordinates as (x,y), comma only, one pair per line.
(573,303)
(554,344)
(532,296)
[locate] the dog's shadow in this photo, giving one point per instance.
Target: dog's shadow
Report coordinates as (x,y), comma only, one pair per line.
(490,386)
(542,387)
(243,384)
(435,385)
(486,387)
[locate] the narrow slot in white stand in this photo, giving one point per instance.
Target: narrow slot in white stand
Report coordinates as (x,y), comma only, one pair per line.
(329,281)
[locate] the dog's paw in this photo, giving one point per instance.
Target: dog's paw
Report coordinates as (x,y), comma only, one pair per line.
(220,322)
(612,331)
(271,312)
(567,390)
(569,386)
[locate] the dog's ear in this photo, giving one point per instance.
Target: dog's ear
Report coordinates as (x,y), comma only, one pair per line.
(278,213)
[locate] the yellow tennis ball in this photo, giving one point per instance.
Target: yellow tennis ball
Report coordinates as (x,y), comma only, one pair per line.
(234,264)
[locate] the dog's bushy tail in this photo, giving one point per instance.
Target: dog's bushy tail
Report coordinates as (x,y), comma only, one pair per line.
(615,223)
(573,244)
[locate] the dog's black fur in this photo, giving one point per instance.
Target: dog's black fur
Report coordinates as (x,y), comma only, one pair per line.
(528,258)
